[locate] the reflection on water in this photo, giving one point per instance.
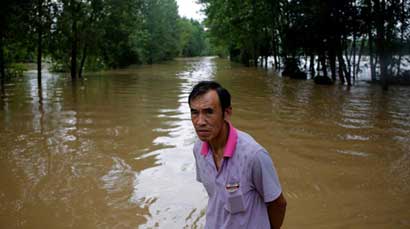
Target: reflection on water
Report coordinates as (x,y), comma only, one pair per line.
(115,150)
(169,189)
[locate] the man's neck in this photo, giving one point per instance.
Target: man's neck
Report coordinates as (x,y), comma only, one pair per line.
(219,143)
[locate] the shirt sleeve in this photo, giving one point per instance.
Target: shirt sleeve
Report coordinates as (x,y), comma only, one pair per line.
(264,177)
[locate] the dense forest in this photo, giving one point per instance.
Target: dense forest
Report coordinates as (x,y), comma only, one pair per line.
(331,38)
(73,35)
(333,35)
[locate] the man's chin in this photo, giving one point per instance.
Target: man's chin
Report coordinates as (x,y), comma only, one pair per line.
(204,138)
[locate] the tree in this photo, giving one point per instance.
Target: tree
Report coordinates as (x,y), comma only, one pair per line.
(163,32)
(40,26)
(334,31)
(13,22)
(123,33)
(193,40)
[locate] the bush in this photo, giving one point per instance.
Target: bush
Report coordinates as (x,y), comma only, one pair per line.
(16,69)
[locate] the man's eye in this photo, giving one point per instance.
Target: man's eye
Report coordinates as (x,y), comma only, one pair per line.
(209,111)
(194,112)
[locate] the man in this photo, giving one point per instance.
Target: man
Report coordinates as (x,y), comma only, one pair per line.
(237,173)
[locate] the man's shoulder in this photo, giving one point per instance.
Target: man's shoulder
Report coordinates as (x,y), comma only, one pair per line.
(247,143)
(197,146)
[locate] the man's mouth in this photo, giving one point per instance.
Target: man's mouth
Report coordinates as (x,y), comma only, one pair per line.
(203,132)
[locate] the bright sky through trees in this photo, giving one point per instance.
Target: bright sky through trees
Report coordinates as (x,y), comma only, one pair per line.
(190,9)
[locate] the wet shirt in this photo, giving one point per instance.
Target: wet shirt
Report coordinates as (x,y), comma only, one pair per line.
(239,191)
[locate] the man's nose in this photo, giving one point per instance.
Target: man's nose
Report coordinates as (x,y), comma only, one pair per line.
(201,119)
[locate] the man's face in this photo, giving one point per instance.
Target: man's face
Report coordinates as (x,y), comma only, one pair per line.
(207,116)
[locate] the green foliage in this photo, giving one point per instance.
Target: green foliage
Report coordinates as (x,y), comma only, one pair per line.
(18,51)
(121,26)
(95,34)
(243,28)
(331,30)
(163,32)
(16,69)
(193,40)
(13,32)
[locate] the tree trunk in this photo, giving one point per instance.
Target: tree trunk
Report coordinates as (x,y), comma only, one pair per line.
(266,61)
(312,65)
(360,56)
(380,42)
(343,73)
(274,50)
(332,60)
(74,41)
(323,63)
(2,64)
(39,40)
(39,55)
(340,71)
(369,21)
(2,69)
(80,71)
(372,59)
(276,55)
(74,51)
(306,60)
(354,56)
(274,64)
(346,73)
(255,56)
(245,57)
(402,31)
(347,68)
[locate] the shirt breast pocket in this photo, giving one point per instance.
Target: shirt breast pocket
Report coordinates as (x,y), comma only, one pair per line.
(235,202)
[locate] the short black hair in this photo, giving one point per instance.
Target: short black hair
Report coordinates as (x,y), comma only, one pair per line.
(205,86)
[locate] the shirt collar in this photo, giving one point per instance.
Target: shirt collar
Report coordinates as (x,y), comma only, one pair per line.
(230,143)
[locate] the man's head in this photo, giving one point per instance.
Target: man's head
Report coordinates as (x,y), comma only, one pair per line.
(205,86)
(210,105)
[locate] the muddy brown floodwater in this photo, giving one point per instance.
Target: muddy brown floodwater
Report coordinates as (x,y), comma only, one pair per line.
(115,150)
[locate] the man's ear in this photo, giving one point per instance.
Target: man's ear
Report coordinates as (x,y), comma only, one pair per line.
(228,113)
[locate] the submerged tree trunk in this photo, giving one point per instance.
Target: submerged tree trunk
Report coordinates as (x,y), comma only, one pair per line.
(244,57)
(306,60)
(275,60)
(372,59)
(343,73)
(312,64)
(266,61)
(332,60)
(360,56)
(347,68)
(322,60)
(275,52)
(255,55)
(354,56)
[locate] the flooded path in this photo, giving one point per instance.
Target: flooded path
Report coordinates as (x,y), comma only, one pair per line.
(115,150)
